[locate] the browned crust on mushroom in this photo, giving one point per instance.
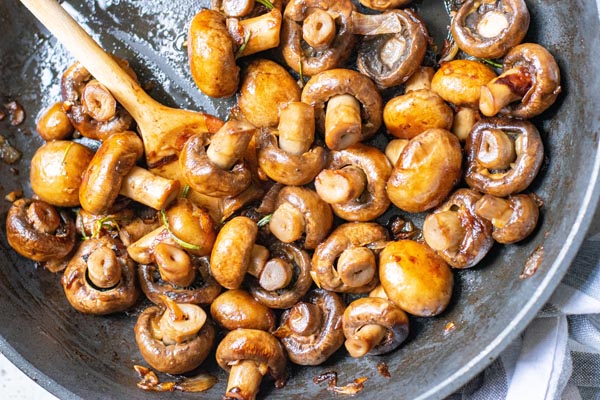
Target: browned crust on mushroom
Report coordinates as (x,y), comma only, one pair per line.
(526,166)
(345,236)
(286,168)
(524,215)
(476,45)
(176,358)
(325,85)
(383,5)
(294,49)
(236,308)
(87,299)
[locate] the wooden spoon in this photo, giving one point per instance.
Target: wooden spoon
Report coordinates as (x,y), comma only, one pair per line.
(164,130)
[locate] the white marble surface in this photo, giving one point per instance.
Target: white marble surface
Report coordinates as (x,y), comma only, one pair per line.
(15,385)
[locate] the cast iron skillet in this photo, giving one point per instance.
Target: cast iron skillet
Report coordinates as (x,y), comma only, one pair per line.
(79,356)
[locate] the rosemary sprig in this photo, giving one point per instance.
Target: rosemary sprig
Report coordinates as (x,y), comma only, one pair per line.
(264,220)
(239,52)
(266,3)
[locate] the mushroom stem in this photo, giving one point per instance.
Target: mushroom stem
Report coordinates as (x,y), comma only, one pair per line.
(258,259)
(258,33)
(147,188)
(318,29)
(296,127)
(343,123)
(98,102)
(443,230)
(356,266)
(340,185)
(229,143)
(464,119)
(180,322)
(305,319)
(503,90)
(277,274)
(420,79)
(244,380)
(141,251)
(43,217)
(492,24)
(394,148)
(103,268)
(494,209)
(287,223)
(496,149)
(365,339)
(174,264)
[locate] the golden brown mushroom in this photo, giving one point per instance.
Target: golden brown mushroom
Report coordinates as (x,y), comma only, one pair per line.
(236,308)
(383,5)
(490,29)
(513,218)
(459,81)
(54,123)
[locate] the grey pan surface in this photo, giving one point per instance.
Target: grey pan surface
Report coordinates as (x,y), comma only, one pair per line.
(78,356)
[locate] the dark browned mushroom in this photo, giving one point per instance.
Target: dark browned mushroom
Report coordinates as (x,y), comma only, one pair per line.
(248,355)
(354,106)
(513,218)
(455,231)
(316,35)
(373,325)
(459,81)
(528,85)
(295,259)
(503,156)
(100,278)
(54,123)
(490,29)
(236,308)
(393,45)
(311,330)
(383,5)
(426,171)
(300,212)
(348,245)
(354,183)
(175,340)
(38,231)
(100,102)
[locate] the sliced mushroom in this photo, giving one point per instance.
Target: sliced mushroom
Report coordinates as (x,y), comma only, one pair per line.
(175,340)
(324,24)
(311,330)
(455,231)
(427,169)
(490,29)
(54,123)
(300,213)
(348,246)
(415,278)
(100,278)
(348,107)
(354,183)
(513,218)
(373,325)
(248,355)
(236,308)
(393,45)
(459,81)
(38,231)
(528,85)
(219,170)
(503,156)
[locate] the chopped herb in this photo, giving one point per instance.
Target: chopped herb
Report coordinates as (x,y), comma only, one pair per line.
(180,242)
(266,3)
(492,63)
(264,220)
(238,54)
(64,159)
(185,191)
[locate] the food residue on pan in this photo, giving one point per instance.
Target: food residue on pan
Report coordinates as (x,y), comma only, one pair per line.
(352,388)
(533,262)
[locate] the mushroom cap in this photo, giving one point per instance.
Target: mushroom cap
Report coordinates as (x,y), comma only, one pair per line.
(252,345)
(459,81)
(193,225)
(383,5)
(471,42)
(236,308)
(175,358)
(523,219)
(54,123)
(325,85)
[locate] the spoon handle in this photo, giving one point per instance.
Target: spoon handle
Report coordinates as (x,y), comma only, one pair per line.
(85,49)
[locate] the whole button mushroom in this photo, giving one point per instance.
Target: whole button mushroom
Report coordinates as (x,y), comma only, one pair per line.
(348,106)
(427,169)
(174,340)
(513,218)
(490,29)
(112,171)
(459,81)
(236,308)
(455,231)
(393,45)
(503,156)
(316,35)
(38,231)
(528,85)
(373,325)
(248,355)
(56,172)
(218,170)
(310,330)
(300,212)
(354,183)
(100,278)
(54,123)
(383,5)
(265,86)
(415,278)
(356,269)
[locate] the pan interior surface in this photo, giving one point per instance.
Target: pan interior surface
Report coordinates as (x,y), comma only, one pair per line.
(75,355)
